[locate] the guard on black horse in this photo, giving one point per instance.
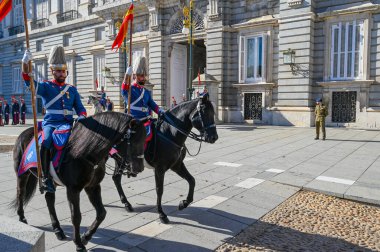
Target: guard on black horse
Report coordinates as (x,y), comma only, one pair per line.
(142,103)
(60,100)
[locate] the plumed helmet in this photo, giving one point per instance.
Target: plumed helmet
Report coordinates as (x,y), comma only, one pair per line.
(57,60)
(140,66)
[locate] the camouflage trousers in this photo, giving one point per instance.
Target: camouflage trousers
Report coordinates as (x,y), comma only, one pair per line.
(320,124)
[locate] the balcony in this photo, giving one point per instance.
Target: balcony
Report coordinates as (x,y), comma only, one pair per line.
(39,23)
(16,30)
(67,16)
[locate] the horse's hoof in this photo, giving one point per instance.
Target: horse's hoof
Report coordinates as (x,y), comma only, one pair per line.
(83,239)
(23,220)
(164,219)
(60,235)
(182,205)
(129,208)
(81,249)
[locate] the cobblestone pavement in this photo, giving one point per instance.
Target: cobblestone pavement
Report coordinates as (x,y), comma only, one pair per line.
(310,221)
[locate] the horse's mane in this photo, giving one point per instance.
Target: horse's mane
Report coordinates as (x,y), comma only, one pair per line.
(176,110)
(95,135)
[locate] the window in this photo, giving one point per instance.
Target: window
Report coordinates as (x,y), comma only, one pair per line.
(40,72)
(347,45)
(99,64)
(68,5)
(100,34)
(39,45)
(70,70)
(67,40)
(42,10)
(252,60)
(17,13)
(16,84)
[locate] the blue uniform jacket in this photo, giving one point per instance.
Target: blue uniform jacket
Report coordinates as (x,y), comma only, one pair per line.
(144,106)
(68,102)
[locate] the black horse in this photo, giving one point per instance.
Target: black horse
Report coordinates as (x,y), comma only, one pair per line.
(82,167)
(167,149)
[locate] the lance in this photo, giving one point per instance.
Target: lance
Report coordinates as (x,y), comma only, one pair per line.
(32,89)
(130,63)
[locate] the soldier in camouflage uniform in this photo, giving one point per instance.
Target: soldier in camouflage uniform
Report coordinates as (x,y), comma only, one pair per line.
(321,111)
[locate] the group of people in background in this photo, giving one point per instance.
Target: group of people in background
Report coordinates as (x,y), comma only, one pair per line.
(15,111)
(104,100)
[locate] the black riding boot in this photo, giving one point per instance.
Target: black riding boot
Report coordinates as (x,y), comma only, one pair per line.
(47,182)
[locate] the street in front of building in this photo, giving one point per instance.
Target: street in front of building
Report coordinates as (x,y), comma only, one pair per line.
(245,179)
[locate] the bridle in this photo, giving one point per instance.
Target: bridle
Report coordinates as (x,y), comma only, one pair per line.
(127,159)
(196,113)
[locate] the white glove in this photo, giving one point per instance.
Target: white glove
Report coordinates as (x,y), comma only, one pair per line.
(81,117)
(129,71)
(27,56)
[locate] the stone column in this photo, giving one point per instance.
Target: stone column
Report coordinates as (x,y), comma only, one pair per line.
(296,29)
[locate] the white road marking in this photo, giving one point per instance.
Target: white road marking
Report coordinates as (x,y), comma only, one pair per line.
(249,183)
(275,170)
(336,180)
(209,201)
(227,164)
(188,159)
(144,233)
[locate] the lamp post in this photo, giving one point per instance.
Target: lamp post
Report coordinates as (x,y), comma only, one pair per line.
(188,30)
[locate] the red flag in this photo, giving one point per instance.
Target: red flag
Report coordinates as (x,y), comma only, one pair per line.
(123,28)
(5,8)
(97,83)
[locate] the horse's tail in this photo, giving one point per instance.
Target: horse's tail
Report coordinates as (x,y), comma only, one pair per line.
(30,189)
(31,181)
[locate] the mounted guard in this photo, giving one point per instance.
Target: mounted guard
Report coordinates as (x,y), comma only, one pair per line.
(142,103)
(60,100)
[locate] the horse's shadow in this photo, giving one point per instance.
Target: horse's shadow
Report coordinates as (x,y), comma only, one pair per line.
(210,228)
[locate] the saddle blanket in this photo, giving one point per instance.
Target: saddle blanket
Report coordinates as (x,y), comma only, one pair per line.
(29,158)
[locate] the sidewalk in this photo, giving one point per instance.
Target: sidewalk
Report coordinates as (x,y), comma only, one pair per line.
(248,172)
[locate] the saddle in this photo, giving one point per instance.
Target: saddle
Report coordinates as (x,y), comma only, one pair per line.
(60,138)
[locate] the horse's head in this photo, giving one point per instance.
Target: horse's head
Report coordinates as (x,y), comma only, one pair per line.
(203,119)
(131,148)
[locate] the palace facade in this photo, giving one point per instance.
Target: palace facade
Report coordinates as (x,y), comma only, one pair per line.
(239,48)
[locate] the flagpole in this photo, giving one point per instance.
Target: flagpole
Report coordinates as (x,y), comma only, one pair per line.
(130,64)
(32,89)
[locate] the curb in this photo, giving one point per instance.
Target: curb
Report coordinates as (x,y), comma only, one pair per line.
(17,236)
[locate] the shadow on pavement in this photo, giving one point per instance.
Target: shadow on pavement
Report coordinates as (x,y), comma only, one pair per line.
(213,224)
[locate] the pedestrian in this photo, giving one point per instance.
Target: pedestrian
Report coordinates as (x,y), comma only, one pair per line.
(59,100)
(13,110)
(23,111)
(183,97)
(17,111)
(1,113)
(174,102)
(321,112)
(6,112)
(109,104)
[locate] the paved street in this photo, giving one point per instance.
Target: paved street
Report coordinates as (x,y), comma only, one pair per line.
(247,173)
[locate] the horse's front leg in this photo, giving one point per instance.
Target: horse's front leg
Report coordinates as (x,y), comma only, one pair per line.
(116,177)
(184,173)
(95,197)
(159,177)
(50,201)
(76,217)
